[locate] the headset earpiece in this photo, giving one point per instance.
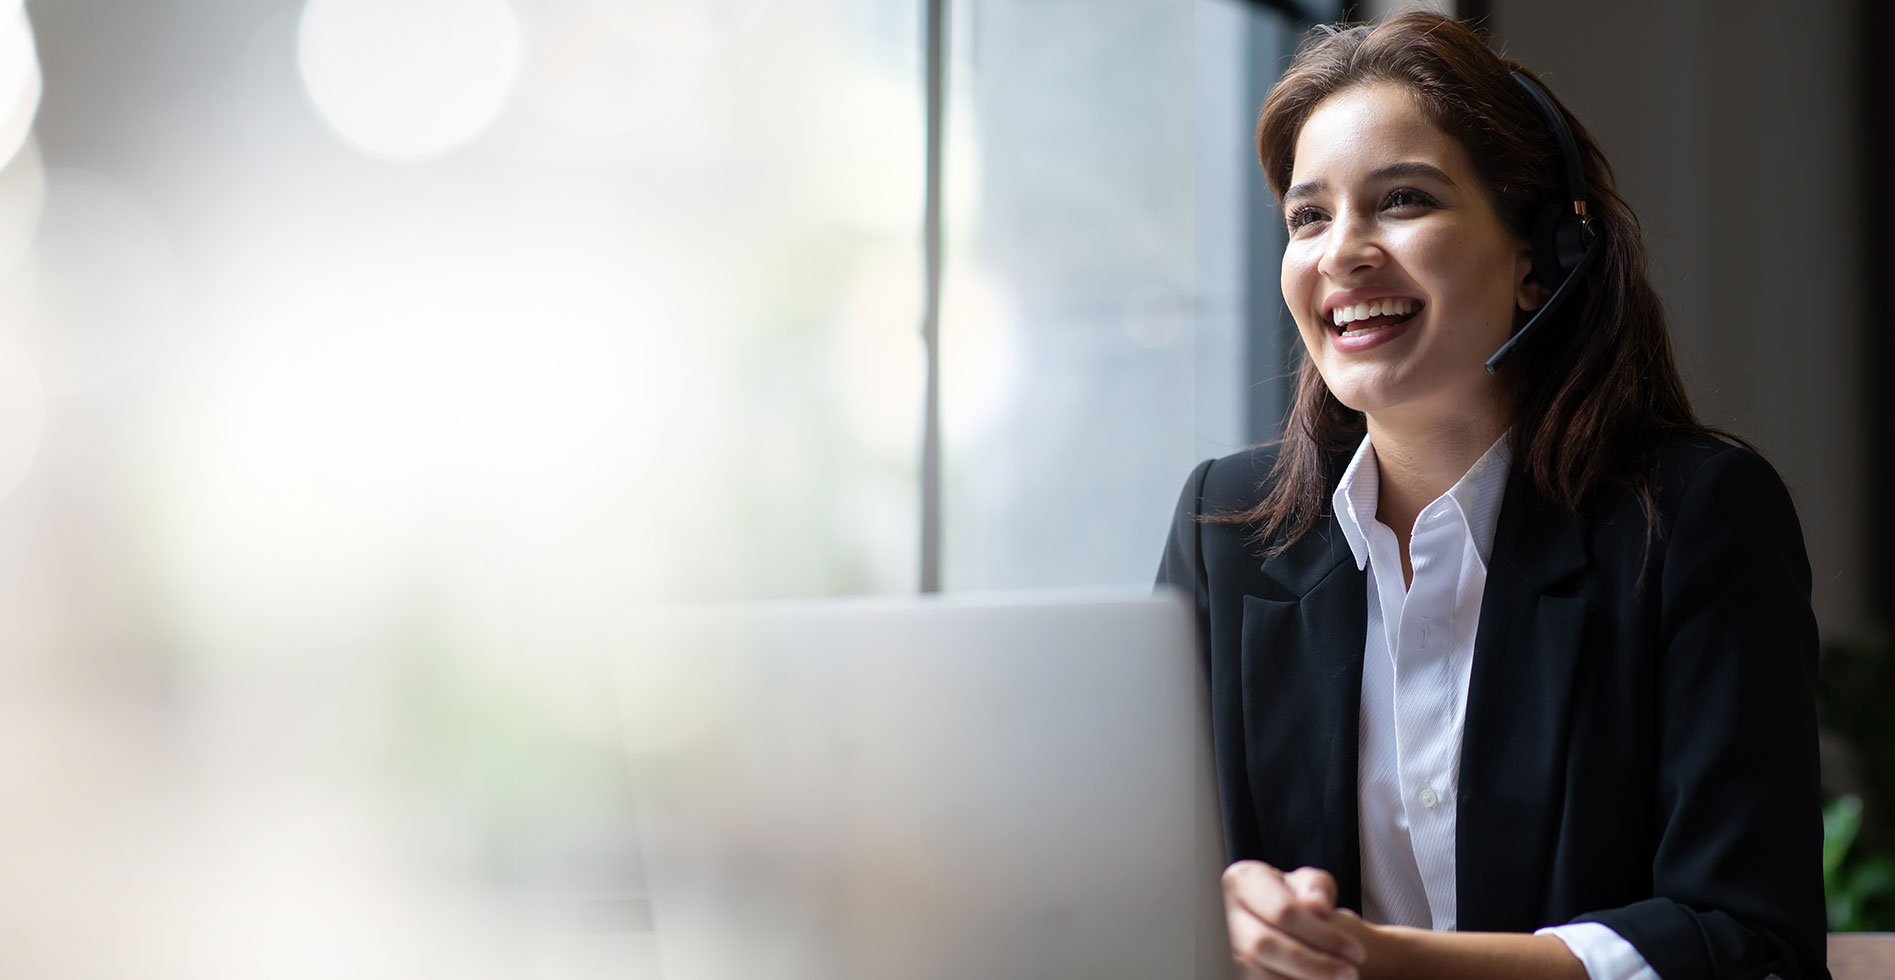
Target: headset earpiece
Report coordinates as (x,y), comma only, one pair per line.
(1559,240)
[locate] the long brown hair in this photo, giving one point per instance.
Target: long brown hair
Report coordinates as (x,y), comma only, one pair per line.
(1596,392)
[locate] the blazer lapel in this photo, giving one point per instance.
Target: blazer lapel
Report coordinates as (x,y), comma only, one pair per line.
(1513,748)
(1302,684)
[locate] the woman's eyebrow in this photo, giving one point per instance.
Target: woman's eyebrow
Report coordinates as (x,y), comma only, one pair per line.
(1408,168)
(1304,189)
(1412,168)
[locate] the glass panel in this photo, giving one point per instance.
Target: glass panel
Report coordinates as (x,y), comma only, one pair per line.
(1094,338)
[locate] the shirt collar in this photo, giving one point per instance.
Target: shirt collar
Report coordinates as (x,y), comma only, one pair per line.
(1476,497)
(1477,494)
(1354,500)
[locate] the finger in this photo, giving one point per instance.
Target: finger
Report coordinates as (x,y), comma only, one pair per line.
(1272,953)
(1246,934)
(1242,871)
(1264,893)
(1314,886)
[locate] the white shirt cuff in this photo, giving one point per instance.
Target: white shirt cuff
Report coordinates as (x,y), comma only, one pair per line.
(1604,953)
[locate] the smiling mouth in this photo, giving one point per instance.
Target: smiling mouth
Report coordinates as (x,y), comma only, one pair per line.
(1362,318)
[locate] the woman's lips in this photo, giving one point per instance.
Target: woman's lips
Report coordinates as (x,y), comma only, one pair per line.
(1354,339)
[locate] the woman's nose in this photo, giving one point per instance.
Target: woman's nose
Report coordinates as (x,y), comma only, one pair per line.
(1353,246)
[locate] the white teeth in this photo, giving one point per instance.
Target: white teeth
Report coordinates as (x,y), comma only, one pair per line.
(1382,307)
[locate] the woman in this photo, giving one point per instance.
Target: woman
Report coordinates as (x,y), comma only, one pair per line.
(1511,673)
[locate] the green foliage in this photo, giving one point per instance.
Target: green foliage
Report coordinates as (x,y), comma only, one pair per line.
(1853,708)
(1860,888)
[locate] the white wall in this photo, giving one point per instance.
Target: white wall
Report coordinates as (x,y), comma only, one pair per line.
(1734,130)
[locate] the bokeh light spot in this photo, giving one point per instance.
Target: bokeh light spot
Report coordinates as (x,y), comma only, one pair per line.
(20,81)
(406,79)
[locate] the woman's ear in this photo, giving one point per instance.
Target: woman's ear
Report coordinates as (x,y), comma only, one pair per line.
(1528,292)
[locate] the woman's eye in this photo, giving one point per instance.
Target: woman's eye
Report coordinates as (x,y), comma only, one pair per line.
(1303,216)
(1407,197)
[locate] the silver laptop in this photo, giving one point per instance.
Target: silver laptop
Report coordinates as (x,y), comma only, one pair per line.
(911,789)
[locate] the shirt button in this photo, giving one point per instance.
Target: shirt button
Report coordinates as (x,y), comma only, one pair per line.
(1427,797)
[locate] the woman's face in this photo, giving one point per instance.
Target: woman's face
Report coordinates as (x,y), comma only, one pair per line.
(1391,232)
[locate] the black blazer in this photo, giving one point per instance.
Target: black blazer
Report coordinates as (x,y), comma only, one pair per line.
(1640,741)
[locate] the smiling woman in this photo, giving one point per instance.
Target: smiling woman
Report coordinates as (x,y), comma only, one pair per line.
(1387,209)
(1526,620)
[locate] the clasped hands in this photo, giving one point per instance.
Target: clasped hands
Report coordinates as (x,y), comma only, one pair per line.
(1286,926)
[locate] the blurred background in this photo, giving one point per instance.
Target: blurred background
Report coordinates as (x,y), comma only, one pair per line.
(362,361)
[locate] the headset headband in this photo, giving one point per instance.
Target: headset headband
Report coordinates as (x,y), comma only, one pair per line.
(1563,135)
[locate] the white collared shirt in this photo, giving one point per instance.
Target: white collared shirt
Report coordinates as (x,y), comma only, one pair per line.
(1415,671)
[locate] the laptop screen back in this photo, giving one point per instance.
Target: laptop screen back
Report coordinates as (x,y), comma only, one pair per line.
(926,788)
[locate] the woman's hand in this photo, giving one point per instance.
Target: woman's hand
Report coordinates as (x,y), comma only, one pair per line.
(1286,927)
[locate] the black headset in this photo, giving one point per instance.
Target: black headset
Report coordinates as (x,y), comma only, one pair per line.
(1566,240)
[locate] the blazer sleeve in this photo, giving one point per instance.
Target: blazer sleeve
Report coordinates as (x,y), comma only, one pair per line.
(1736,873)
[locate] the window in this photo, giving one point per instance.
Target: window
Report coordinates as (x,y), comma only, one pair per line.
(1111,310)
